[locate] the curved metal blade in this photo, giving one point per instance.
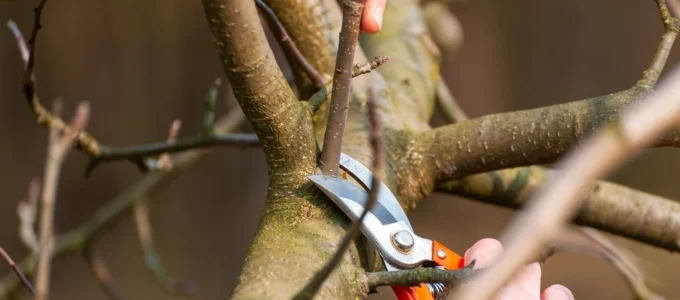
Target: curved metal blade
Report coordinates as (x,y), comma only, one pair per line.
(343,192)
(385,197)
(379,224)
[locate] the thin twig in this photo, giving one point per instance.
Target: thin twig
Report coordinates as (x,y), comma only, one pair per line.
(152,259)
(628,270)
(102,274)
(417,276)
(44,117)
(557,203)
(76,240)
(164,162)
(138,152)
(360,69)
(452,111)
(671,27)
(27,210)
(318,98)
(354,230)
(58,148)
(335,129)
(17,271)
(101,153)
(674,7)
(289,45)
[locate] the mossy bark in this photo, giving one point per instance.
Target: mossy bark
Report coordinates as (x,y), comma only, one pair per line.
(299,228)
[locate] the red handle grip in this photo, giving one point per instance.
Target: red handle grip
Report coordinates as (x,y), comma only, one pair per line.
(442,256)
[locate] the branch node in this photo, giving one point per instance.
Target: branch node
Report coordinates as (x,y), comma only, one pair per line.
(360,69)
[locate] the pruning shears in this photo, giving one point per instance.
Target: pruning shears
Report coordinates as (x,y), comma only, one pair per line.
(388,229)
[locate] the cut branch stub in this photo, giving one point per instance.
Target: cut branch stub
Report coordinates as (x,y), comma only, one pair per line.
(349,33)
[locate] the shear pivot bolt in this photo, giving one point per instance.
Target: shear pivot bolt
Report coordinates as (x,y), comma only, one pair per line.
(441,254)
(403,241)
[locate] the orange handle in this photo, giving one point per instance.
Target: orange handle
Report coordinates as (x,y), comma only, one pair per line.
(445,257)
(442,256)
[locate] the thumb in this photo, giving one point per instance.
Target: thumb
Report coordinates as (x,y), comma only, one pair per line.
(485,252)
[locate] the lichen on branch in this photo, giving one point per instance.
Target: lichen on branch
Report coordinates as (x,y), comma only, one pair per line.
(610,207)
(521,138)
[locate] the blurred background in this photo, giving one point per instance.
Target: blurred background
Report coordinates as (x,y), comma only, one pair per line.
(142,64)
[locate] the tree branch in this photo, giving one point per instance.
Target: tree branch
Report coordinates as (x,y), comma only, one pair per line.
(559,200)
(670,33)
(44,117)
(628,270)
(102,274)
(76,240)
(282,123)
(138,153)
(58,148)
(152,260)
(445,28)
(450,108)
(603,208)
(27,210)
(339,106)
(607,206)
(354,230)
(536,136)
(17,271)
(417,276)
(289,45)
(322,95)
(541,135)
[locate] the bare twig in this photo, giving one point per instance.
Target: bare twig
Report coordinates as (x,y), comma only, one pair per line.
(137,153)
(335,129)
(674,8)
(151,257)
(445,29)
(17,271)
(452,111)
(43,116)
(164,162)
(557,203)
(77,239)
(102,273)
(28,211)
(354,230)
(360,69)
(142,155)
(627,268)
(58,148)
(318,98)
(289,45)
(671,28)
(417,276)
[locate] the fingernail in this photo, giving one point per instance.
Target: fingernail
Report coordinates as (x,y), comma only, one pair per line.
(378,16)
(565,292)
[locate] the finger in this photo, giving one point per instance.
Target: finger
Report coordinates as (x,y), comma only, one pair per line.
(527,280)
(371,19)
(557,292)
(484,252)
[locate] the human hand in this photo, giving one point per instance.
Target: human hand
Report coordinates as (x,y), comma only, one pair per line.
(526,285)
(371,19)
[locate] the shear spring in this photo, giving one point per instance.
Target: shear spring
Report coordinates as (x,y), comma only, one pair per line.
(437,289)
